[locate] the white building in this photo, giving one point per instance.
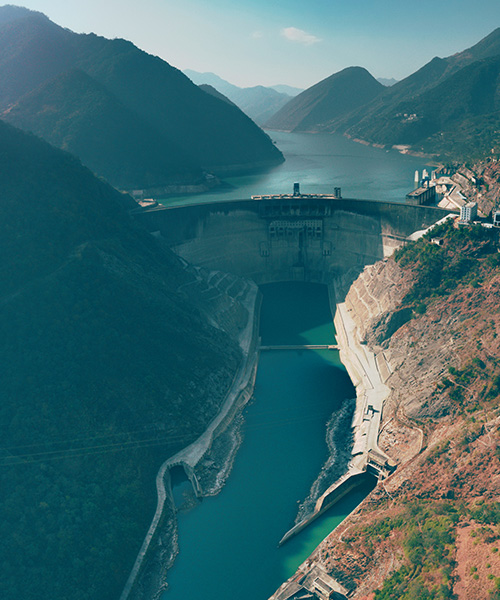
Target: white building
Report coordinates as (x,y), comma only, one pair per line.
(468,212)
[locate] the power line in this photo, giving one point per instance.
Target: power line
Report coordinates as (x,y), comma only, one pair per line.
(58,454)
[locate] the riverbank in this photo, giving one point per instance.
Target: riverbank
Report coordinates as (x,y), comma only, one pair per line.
(442,438)
(368,373)
(160,547)
(405,149)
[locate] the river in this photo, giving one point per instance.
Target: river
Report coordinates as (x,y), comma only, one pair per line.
(321,162)
(228,543)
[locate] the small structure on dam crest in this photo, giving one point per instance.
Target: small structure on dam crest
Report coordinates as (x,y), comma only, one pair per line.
(288,237)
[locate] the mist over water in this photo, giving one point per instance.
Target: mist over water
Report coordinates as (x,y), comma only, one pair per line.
(321,162)
(228,543)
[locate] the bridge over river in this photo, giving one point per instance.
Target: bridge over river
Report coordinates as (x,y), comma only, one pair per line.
(302,347)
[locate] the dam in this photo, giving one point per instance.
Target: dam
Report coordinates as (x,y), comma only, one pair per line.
(271,239)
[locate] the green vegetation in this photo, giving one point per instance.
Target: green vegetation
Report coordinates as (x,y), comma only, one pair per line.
(105,372)
(466,262)
(467,256)
(486,512)
(94,125)
(428,530)
(449,107)
(429,534)
(459,117)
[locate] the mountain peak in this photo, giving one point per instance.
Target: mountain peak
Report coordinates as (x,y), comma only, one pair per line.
(10,13)
(487,47)
(152,100)
(331,98)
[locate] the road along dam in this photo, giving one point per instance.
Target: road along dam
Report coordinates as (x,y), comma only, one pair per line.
(314,239)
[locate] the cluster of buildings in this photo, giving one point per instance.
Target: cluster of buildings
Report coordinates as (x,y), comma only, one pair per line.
(425,191)
(449,192)
(468,213)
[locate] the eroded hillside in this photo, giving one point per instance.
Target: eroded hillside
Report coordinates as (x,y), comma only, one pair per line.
(431,529)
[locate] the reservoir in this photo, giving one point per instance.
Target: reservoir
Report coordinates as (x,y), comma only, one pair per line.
(321,162)
(228,543)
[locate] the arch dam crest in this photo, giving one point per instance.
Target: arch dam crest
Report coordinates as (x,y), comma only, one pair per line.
(288,238)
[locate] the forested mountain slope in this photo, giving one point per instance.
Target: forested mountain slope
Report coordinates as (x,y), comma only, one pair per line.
(165,109)
(108,365)
(329,99)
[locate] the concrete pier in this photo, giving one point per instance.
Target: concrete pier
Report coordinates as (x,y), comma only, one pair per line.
(350,481)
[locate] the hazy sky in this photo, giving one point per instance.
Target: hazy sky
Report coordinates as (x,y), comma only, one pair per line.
(297,42)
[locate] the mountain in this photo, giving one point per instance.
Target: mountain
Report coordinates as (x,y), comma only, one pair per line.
(331,98)
(383,120)
(443,376)
(287,89)
(258,102)
(72,111)
(209,89)
(196,131)
(10,13)
(387,82)
(470,98)
(221,85)
(106,370)
(440,69)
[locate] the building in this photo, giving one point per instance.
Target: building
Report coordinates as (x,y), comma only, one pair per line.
(322,588)
(468,212)
(422,195)
(496,217)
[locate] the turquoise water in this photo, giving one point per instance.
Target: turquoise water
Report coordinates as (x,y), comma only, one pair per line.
(321,162)
(228,543)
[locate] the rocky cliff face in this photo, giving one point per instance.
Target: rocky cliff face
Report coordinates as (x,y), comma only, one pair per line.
(431,529)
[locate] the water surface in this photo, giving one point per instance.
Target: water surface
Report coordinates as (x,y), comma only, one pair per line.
(228,543)
(321,162)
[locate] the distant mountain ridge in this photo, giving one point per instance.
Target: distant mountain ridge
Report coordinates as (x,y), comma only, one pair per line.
(331,98)
(167,114)
(406,113)
(448,107)
(258,102)
(387,81)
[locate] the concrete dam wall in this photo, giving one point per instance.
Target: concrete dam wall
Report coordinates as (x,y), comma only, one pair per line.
(293,239)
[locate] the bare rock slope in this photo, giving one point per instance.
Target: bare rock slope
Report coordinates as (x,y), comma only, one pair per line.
(431,529)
